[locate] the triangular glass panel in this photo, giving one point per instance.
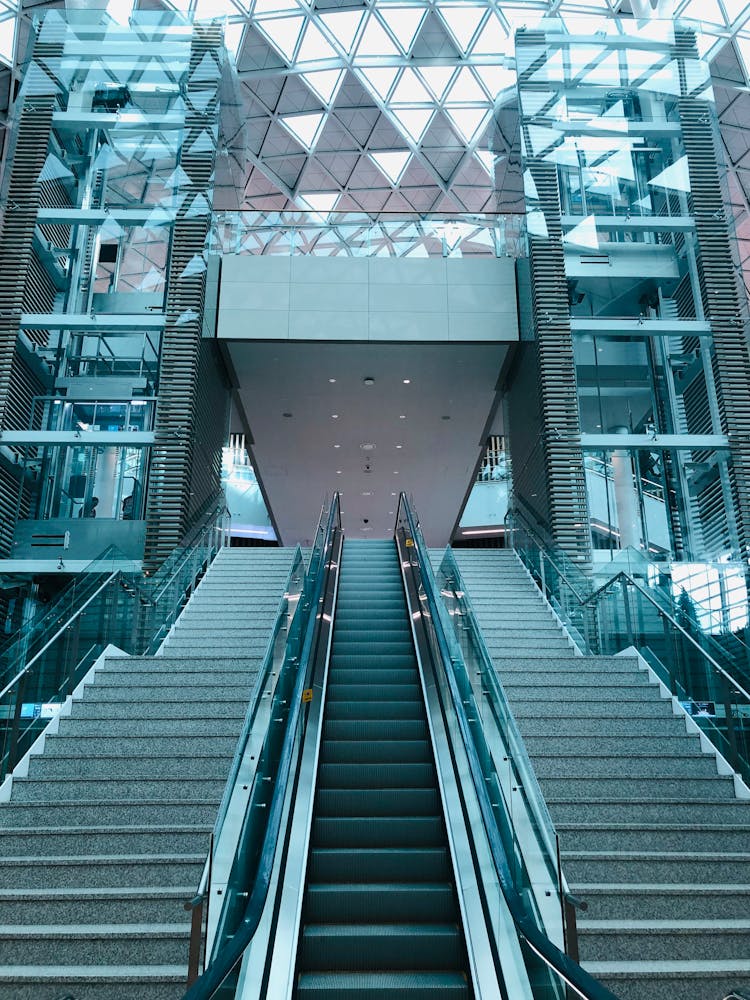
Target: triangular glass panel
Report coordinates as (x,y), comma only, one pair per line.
(106,158)
(641,61)
(206,71)
(536,224)
(392,163)
(533,101)
(324,83)
(584,234)
(158,217)
(178,178)
(665,80)
(465,89)
(414,121)
(200,99)
(403,23)
(468,121)
(375,41)
(606,72)
(496,79)
(315,45)
(493,40)
(110,229)
(319,201)
(200,207)
(343,25)
(437,78)
(529,187)
(53,169)
(542,138)
(552,70)
(620,165)
(151,280)
(380,79)
(7,39)
(462,23)
(196,265)
(275,6)
(187,317)
(676,177)
(304,128)
(37,83)
(283,33)
(410,90)
(233,37)
(203,144)
(487,158)
(565,154)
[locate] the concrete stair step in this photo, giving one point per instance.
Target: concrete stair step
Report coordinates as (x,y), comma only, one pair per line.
(663,940)
(94,814)
(653,837)
(130,712)
(698,980)
(627,746)
(128,747)
(652,788)
(656,867)
(105,789)
(97,872)
(114,769)
(597,765)
(586,693)
(685,811)
(664,902)
(95,945)
(181,664)
(572,710)
(205,694)
(577,666)
(61,907)
(136,679)
(110,841)
(106,982)
(651,723)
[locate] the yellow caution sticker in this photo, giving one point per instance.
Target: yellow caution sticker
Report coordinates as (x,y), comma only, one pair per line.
(410,543)
(307,695)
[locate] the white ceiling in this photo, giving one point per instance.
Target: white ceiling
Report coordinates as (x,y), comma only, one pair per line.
(296,459)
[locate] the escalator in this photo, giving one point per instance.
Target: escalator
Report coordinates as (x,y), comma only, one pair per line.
(380,915)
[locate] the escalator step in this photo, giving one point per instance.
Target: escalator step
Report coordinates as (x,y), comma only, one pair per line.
(373,645)
(363,661)
(374,692)
(421,902)
(375,709)
(377,802)
(376,752)
(382,985)
(380,946)
(377,831)
(375,729)
(390,675)
(376,776)
(389,864)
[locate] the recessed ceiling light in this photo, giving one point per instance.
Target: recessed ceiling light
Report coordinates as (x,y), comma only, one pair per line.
(393,494)
(337,446)
(390,512)
(366,493)
(338,472)
(331,380)
(367,446)
(399,446)
(402,416)
(395,472)
(334,416)
(407,381)
(368,380)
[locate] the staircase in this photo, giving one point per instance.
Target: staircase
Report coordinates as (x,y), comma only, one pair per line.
(380,918)
(106,838)
(652,838)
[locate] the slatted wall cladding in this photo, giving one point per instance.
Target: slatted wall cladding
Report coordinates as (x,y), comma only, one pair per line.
(169,501)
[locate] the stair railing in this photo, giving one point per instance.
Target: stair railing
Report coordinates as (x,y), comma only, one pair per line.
(253,853)
(623,612)
(563,973)
(111,604)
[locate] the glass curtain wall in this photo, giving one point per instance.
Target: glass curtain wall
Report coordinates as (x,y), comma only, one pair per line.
(604,110)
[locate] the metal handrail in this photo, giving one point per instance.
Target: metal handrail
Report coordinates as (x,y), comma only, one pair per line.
(206,985)
(569,971)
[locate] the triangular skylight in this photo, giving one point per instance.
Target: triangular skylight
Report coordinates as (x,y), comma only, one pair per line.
(380,79)
(392,163)
(375,41)
(462,22)
(410,90)
(314,45)
(283,33)
(343,25)
(496,79)
(304,128)
(487,158)
(465,89)
(324,83)
(437,78)
(319,201)
(467,120)
(403,23)
(414,121)
(493,39)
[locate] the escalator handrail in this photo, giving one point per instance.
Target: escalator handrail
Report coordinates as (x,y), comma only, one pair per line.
(212,978)
(564,966)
